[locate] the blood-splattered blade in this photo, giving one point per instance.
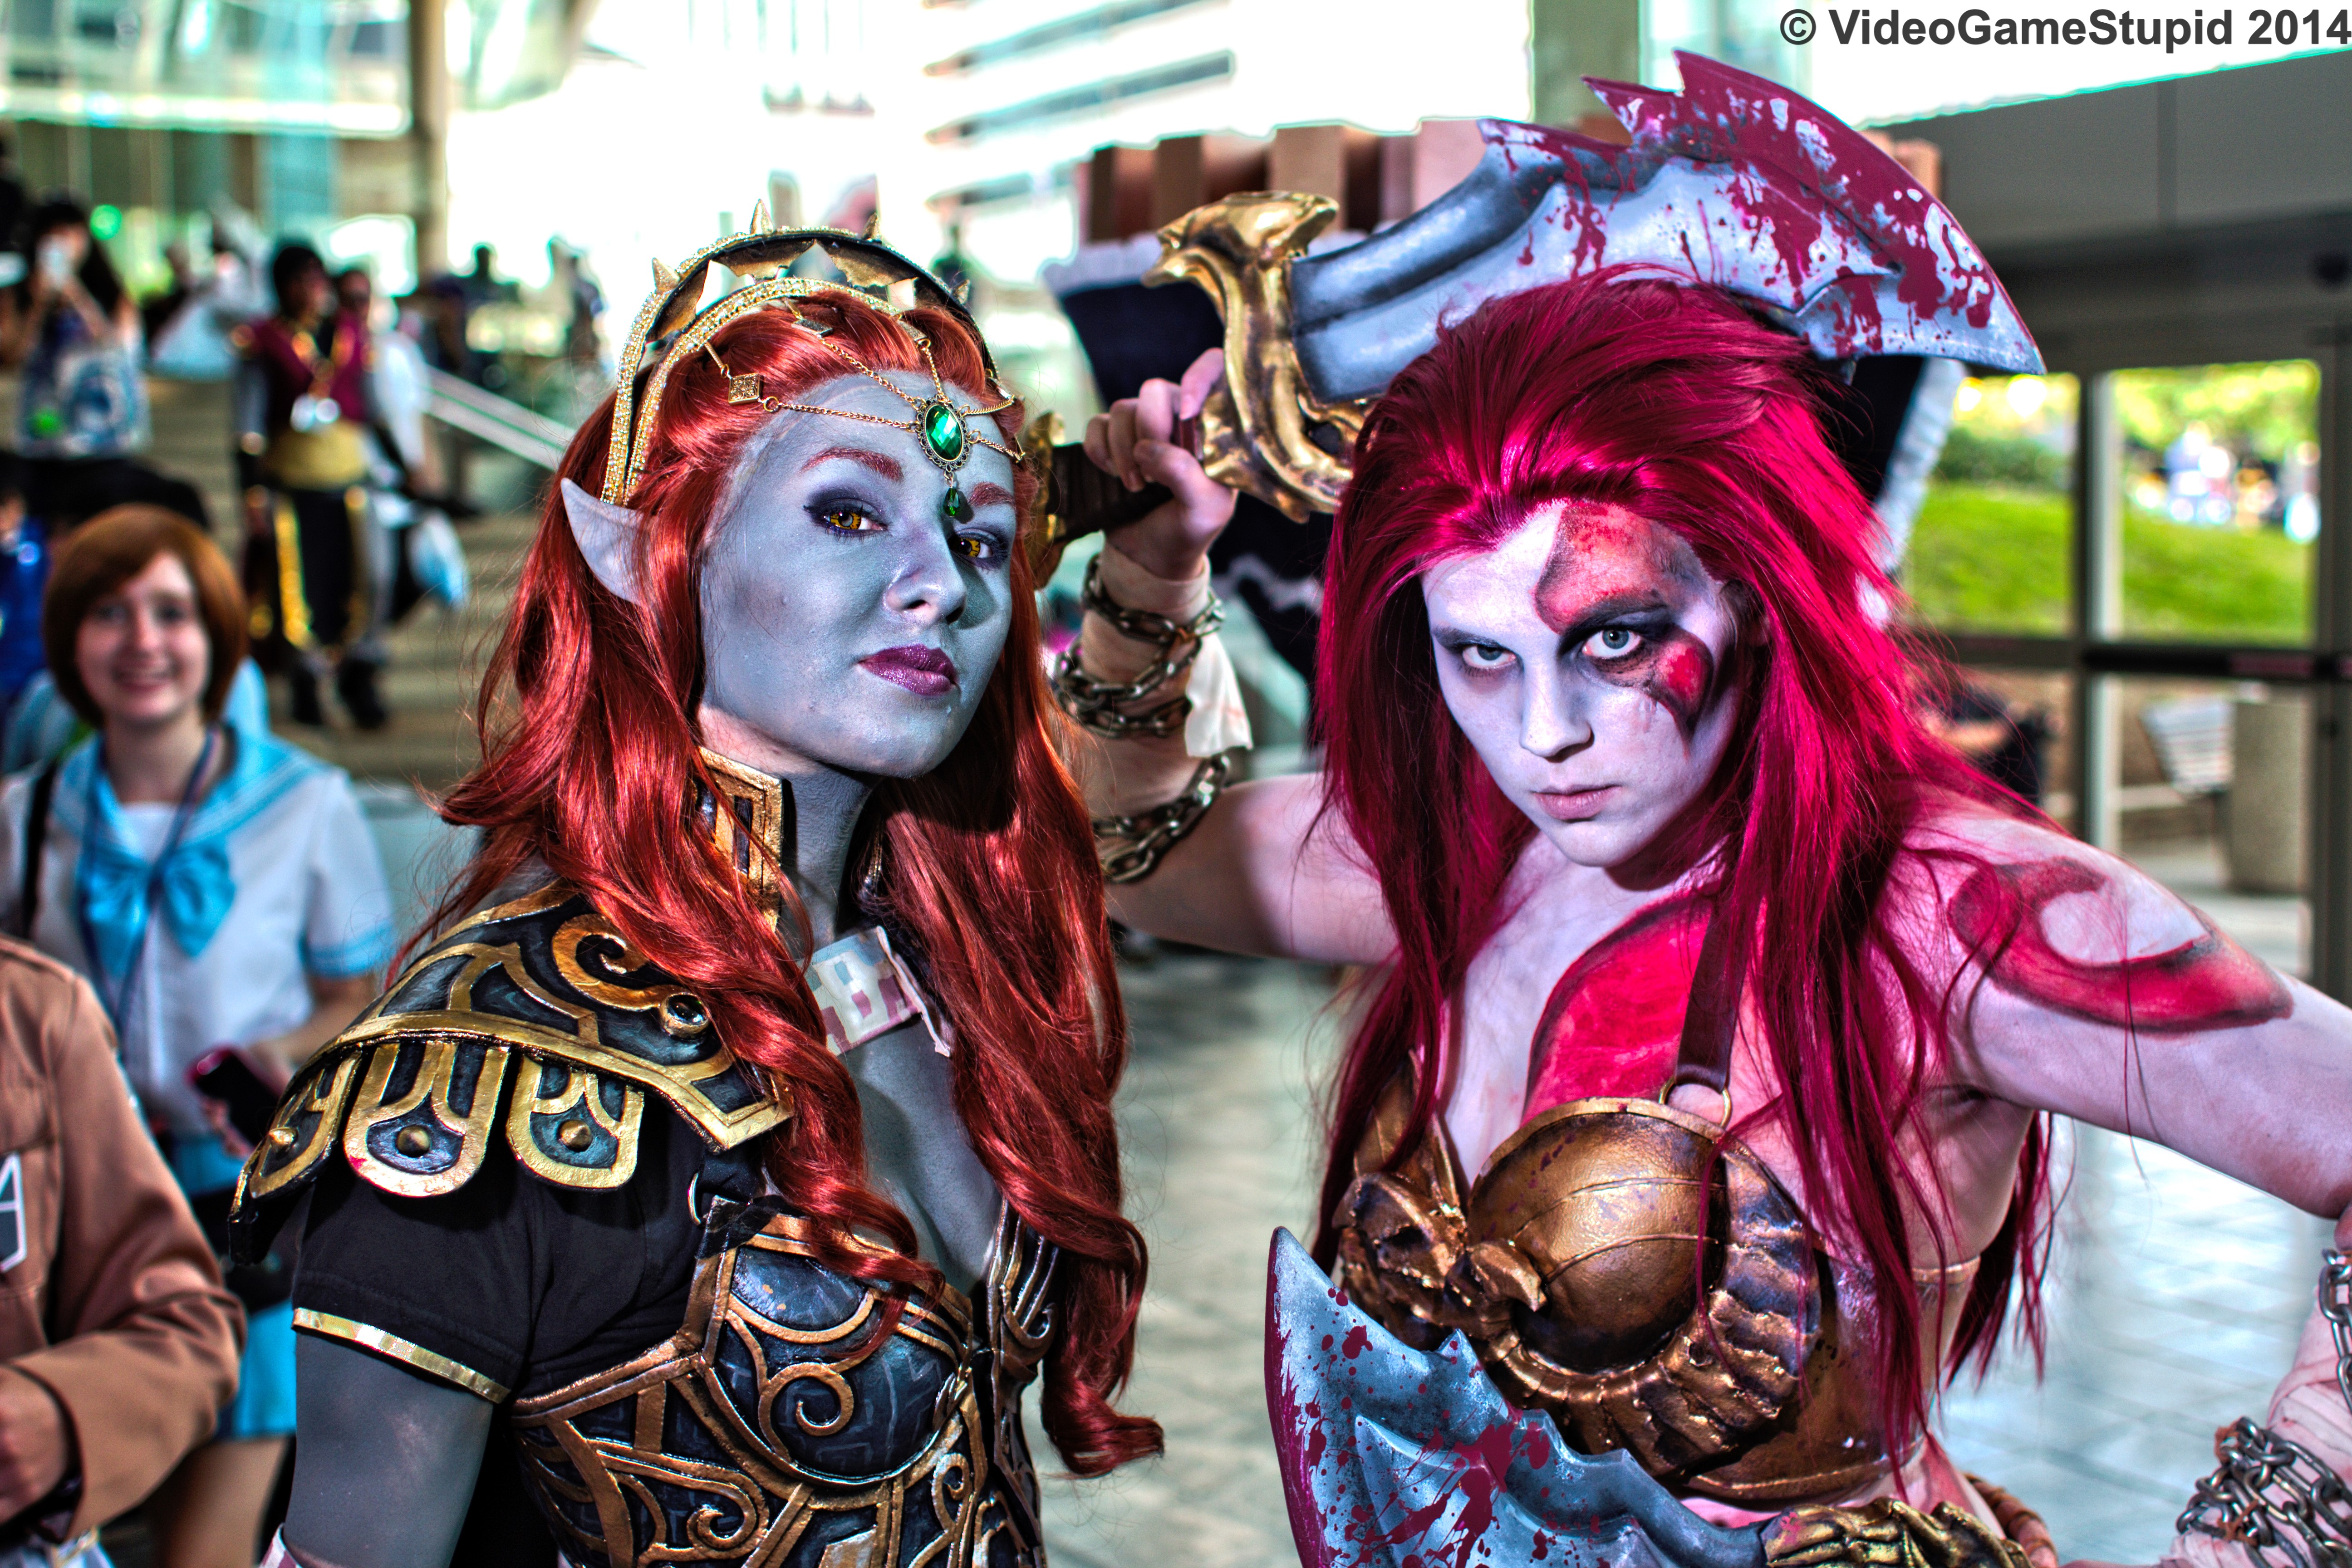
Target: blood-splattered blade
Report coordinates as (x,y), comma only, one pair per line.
(1733,182)
(1392,1456)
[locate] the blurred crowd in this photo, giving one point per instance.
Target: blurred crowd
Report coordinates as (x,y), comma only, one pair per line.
(191,904)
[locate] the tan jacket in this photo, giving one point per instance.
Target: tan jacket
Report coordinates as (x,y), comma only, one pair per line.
(116,1306)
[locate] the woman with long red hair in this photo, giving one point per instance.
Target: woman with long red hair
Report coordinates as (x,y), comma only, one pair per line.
(1716,1008)
(741,1144)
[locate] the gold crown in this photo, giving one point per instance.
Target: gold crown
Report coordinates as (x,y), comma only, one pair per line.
(672,324)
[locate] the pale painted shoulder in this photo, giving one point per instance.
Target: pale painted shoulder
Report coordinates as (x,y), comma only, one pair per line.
(2093,906)
(1967,829)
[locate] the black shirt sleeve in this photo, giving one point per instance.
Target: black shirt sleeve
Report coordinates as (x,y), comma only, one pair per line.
(523,1284)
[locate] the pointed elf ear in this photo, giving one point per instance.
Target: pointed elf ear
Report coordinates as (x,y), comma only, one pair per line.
(607,536)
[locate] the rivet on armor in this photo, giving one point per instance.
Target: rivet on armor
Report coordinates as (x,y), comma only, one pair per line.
(414,1141)
(281,1137)
(574,1135)
(684,1013)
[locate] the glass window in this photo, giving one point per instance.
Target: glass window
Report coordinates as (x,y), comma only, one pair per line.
(1992,550)
(2011,725)
(2214,799)
(2221,469)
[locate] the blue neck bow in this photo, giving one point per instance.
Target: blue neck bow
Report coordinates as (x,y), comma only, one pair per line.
(196,890)
(197,887)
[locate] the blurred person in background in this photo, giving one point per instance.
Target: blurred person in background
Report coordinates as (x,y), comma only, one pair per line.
(24,574)
(1999,740)
(12,194)
(192,341)
(314,552)
(118,1345)
(481,287)
(216,888)
(583,301)
(156,312)
(420,556)
(72,329)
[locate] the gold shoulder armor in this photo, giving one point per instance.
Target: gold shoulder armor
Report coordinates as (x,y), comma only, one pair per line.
(539,1008)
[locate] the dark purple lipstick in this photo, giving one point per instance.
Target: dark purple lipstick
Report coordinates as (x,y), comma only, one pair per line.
(926,672)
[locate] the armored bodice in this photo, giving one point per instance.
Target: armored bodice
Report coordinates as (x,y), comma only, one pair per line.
(802,1417)
(797,1414)
(1639,1276)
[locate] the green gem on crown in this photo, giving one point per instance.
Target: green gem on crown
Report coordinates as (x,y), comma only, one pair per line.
(943,432)
(955,506)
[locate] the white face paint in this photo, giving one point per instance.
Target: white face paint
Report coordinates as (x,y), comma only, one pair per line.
(1582,657)
(847,624)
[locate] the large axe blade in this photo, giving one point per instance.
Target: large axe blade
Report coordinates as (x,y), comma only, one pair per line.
(1735,181)
(1392,1456)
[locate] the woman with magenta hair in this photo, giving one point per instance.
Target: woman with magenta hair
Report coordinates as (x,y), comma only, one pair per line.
(1715,1010)
(715,1178)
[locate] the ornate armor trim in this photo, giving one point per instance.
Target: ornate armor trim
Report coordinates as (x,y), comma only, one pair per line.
(573,1127)
(421,1121)
(304,1129)
(542,990)
(752,815)
(800,1418)
(369,1337)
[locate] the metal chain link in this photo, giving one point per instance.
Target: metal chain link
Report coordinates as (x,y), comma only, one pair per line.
(2276,1498)
(1098,704)
(2336,1306)
(2270,1494)
(1131,847)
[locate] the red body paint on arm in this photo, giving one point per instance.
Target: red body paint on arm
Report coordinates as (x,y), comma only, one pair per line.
(2207,982)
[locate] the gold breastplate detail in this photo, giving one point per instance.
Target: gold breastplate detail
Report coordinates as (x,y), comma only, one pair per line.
(1623,1269)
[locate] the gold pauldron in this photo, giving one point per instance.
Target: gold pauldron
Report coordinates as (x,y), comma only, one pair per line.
(537,1017)
(1888,1533)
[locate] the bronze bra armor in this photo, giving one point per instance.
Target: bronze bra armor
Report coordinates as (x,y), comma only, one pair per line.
(1649,1284)
(797,1416)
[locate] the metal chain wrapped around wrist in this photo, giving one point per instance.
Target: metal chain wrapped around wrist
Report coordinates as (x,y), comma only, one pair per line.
(2272,1495)
(2336,1306)
(1130,848)
(1098,704)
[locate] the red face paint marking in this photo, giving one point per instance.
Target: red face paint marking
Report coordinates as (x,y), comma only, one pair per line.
(1610,570)
(2209,982)
(1613,1025)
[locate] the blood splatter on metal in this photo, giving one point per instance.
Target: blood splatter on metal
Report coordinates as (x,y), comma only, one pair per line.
(1392,1457)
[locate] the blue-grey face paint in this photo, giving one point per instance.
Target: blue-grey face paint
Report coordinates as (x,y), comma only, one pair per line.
(847,623)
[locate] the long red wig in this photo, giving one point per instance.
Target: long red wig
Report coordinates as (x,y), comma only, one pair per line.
(1672,403)
(589,762)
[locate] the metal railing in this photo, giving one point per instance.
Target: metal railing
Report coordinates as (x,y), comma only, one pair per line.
(500,421)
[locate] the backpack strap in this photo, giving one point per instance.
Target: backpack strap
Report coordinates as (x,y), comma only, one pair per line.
(37,838)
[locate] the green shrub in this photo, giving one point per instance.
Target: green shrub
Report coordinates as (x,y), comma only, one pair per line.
(1993,559)
(1989,561)
(1980,457)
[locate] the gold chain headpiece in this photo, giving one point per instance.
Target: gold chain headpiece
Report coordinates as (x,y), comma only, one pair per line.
(672,326)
